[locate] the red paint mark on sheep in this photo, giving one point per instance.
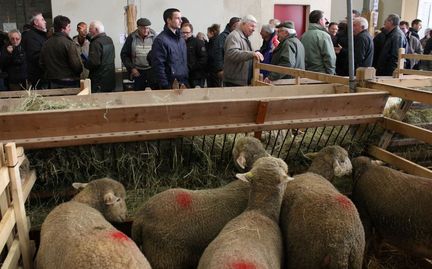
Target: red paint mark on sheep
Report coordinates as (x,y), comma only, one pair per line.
(119,236)
(344,201)
(243,265)
(184,200)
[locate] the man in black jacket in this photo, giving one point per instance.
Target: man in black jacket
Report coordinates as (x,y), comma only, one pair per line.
(394,40)
(196,56)
(59,57)
(169,54)
(100,62)
(13,62)
(363,43)
(33,41)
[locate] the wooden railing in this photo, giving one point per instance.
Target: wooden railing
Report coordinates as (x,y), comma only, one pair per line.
(14,190)
(401,63)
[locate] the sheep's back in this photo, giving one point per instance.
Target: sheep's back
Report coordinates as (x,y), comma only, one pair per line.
(317,219)
(398,204)
(251,240)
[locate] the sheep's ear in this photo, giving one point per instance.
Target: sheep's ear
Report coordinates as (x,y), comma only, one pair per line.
(245,176)
(377,162)
(288,178)
(241,161)
(79,186)
(311,155)
(110,198)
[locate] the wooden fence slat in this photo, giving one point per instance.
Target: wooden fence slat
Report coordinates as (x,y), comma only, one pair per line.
(18,204)
(399,162)
(6,226)
(4,178)
(402,92)
(407,130)
(28,184)
(13,256)
(415,72)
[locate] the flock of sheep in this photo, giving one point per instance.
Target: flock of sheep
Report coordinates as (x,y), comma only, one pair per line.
(264,220)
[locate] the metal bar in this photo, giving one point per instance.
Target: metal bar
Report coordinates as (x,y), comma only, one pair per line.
(233,143)
(269,138)
(283,142)
(203,143)
(223,147)
(301,142)
(212,146)
(343,137)
(319,139)
(313,135)
(352,81)
(337,136)
(371,132)
(190,150)
(290,146)
(328,138)
(275,142)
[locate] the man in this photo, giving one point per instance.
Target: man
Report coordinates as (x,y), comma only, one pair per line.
(134,55)
(196,57)
(13,62)
(83,44)
(219,46)
(100,62)
(416,25)
(289,53)
(33,41)
(270,42)
(239,55)
(320,54)
(169,55)
(413,45)
(59,58)
(395,39)
(333,29)
(363,43)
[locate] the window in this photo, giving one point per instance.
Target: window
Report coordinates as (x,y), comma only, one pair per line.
(425,14)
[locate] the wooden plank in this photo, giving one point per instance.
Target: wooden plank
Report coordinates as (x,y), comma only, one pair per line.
(7,224)
(427,57)
(261,83)
(407,130)
(85,86)
(162,116)
(409,81)
(18,204)
(303,73)
(13,256)
(399,162)
(415,72)
(52,92)
(261,115)
(402,92)
(100,138)
(293,81)
(28,184)
(4,178)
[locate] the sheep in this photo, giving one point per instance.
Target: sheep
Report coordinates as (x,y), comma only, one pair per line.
(320,226)
(253,239)
(76,234)
(181,223)
(395,205)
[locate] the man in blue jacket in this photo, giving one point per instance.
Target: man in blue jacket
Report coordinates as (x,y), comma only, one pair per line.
(169,54)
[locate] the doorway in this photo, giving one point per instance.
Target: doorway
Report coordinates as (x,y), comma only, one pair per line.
(296,13)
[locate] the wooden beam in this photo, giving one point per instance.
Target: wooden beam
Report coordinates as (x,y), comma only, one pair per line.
(304,74)
(407,130)
(52,92)
(409,81)
(399,162)
(6,226)
(402,92)
(13,256)
(415,72)
(426,57)
(182,115)
(142,135)
(28,183)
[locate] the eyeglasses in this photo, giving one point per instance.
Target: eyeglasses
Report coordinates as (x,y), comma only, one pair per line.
(186,33)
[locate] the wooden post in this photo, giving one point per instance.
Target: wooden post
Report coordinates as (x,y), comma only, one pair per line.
(261,115)
(85,87)
(364,74)
(256,72)
(401,63)
(131,15)
(18,204)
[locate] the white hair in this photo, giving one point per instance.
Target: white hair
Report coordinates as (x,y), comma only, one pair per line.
(248,19)
(268,28)
(14,31)
(98,26)
(289,30)
(362,21)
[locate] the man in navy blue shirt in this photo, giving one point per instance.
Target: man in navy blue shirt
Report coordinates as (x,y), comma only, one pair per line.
(169,54)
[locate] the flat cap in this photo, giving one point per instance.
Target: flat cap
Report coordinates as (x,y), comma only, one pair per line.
(143,22)
(286,24)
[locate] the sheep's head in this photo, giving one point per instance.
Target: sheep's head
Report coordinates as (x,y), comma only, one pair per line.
(331,161)
(267,171)
(246,151)
(106,195)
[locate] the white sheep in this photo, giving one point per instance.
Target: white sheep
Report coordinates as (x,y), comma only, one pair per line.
(76,234)
(253,239)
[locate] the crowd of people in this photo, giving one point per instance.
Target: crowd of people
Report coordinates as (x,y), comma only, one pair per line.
(176,56)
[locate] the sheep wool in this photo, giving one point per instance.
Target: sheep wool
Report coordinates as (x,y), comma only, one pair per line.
(395,205)
(77,235)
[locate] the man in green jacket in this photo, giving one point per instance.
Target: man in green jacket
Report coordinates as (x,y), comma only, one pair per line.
(320,54)
(289,53)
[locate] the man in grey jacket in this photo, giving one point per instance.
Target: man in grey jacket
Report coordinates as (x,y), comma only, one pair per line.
(238,59)
(320,54)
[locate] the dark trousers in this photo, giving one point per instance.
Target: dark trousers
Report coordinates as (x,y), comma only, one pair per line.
(144,80)
(197,83)
(213,80)
(61,84)
(229,84)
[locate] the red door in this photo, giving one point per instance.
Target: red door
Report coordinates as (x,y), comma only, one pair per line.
(296,13)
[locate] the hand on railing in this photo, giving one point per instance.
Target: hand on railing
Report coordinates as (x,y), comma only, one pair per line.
(259,56)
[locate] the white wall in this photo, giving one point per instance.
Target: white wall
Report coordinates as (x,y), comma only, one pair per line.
(339,9)
(201,13)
